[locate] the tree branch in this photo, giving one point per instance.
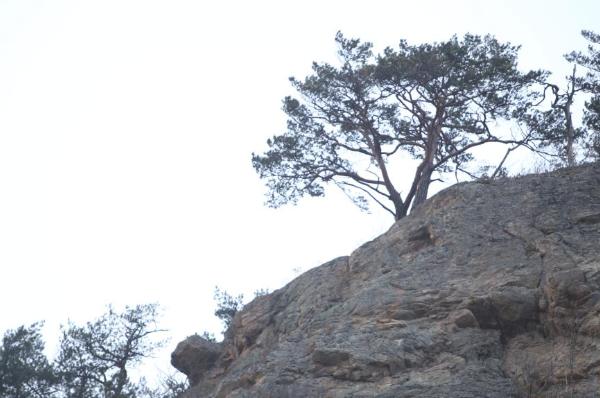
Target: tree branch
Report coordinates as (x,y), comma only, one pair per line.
(370,195)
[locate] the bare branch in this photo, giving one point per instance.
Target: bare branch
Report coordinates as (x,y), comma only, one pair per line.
(370,195)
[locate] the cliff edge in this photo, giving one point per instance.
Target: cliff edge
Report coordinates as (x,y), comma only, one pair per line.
(490,289)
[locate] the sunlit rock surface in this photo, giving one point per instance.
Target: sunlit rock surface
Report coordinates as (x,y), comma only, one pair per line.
(490,289)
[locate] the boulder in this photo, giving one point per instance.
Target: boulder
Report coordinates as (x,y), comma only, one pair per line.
(194,356)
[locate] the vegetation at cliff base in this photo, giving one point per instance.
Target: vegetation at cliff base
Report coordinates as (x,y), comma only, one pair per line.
(94,360)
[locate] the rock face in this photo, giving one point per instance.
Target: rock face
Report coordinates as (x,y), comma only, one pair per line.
(490,289)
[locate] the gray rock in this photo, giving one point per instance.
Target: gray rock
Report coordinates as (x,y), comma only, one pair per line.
(487,290)
(194,356)
(464,319)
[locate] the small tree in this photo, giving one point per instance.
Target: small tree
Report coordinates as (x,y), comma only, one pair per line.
(24,369)
(227,306)
(170,386)
(94,360)
(434,102)
(555,127)
(591,62)
(592,120)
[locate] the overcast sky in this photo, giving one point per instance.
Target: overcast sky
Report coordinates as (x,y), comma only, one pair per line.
(126,129)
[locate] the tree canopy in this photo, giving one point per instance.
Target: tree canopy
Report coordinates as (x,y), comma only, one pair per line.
(94,360)
(434,102)
(554,127)
(24,369)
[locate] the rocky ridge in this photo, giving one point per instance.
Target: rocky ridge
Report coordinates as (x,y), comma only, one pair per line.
(490,289)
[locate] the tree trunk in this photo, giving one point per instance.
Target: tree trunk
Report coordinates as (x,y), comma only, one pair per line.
(569,121)
(395,197)
(570,135)
(399,208)
(423,186)
(427,170)
(121,380)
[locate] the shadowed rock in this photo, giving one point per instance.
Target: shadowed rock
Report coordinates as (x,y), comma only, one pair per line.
(194,356)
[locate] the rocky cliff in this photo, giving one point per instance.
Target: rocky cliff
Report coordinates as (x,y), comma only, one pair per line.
(490,289)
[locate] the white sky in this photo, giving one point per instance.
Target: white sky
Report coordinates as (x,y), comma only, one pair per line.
(126,129)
